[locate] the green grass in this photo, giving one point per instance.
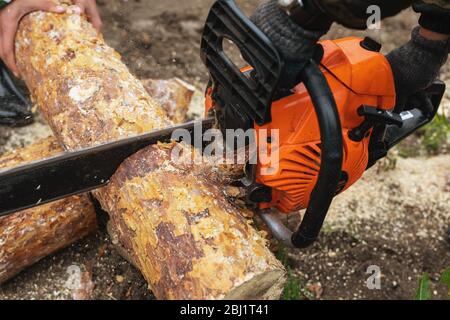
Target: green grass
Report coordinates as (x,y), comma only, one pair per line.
(436,135)
(432,139)
(424,290)
(292,289)
(445,279)
(295,287)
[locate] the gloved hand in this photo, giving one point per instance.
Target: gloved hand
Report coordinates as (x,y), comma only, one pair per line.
(416,65)
(296,44)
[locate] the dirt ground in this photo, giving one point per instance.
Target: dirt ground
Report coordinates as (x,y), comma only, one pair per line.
(394,219)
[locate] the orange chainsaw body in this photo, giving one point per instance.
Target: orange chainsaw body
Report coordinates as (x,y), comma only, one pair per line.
(357,77)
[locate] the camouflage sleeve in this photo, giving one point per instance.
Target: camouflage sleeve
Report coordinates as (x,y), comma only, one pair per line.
(435,15)
(444,4)
(355,13)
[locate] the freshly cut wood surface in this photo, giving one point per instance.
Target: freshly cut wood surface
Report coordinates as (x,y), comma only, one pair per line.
(28,236)
(89,97)
(174,95)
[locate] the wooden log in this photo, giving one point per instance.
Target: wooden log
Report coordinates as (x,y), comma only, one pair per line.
(78,218)
(192,233)
(28,236)
(174,96)
(88,96)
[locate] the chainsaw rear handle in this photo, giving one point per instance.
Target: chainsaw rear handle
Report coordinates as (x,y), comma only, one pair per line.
(330,167)
(421,109)
(240,98)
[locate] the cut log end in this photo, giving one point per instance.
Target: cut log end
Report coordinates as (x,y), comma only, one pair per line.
(268,285)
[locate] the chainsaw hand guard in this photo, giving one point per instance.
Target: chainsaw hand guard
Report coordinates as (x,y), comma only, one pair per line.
(247,100)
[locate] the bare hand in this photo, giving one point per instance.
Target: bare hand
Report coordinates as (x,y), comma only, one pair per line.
(10,17)
(89,7)
(431,35)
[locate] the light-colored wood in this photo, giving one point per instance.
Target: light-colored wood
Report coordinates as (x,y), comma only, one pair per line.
(83,89)
(62,223)
(174,95)
(28,236)
(174,222)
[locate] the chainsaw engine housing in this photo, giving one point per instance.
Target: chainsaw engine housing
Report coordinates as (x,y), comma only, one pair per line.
(357,77)
(338,122)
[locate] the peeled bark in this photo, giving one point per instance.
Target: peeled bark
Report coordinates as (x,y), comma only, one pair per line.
(182,233)
(78,218)
(28,236)
(188,242)
(174,96)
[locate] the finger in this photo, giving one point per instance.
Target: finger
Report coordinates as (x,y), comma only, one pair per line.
(79,8)
(8,52)
(94,16)
(45,5)
(1,48)
(1,41)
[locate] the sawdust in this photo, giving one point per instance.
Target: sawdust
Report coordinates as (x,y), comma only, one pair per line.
(20,137)
(394,219)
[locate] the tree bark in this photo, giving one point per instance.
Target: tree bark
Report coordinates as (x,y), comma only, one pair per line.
(174,96)
(177,226)
(72,218)
(182,233)
(28,236)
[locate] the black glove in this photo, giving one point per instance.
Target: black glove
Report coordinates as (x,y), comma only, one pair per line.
(15,110)
(416,65)
(296,44)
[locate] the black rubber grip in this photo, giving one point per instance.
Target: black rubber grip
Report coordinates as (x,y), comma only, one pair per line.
(331,157)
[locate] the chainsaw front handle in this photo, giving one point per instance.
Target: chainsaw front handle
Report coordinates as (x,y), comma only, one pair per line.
(330,167)
(332,156)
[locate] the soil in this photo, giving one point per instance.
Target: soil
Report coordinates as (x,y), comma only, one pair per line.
(396,218)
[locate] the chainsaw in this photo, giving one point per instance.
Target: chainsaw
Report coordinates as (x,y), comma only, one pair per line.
(334,125)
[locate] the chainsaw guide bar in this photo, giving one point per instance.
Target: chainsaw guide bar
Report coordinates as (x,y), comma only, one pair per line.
(45,181)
